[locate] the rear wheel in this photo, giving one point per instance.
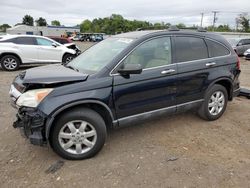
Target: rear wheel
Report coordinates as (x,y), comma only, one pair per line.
(10,63)
(78,134)
(215,103)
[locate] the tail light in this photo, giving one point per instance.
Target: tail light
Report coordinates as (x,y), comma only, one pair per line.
(238,63)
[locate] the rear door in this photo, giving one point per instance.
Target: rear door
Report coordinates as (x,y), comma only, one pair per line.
(246,44)
(241,47)
(154,88)
(194,68)
(27,48)
(48,53)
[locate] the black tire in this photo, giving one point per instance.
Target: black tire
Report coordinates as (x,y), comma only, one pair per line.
(86,115)
(204,112)
(67,58)
(10,66)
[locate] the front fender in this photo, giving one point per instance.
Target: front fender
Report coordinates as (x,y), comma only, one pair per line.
(51,118)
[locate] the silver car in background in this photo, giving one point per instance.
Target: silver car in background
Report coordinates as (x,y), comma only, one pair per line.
(240,45)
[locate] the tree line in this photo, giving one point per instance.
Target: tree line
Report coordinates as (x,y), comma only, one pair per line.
(117,24)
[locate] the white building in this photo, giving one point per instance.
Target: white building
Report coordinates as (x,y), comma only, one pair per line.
(44,31)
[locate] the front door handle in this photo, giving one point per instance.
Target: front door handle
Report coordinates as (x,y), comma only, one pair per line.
(169,71)
(210,64)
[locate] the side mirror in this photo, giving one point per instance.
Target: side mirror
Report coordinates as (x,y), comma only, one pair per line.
(239,44)
(54,44)
(130,69)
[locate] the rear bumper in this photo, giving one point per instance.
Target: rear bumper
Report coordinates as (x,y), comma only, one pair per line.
(236,92)
(32,125)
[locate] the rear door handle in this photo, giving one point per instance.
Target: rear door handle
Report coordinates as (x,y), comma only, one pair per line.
(210,64)
(169,71)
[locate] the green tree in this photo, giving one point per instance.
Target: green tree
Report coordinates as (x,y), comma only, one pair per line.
(223,28)
(181,25)
(55,23)
(86,26)
(4,27)
(117,24)
(244,23)
(41,22)
(28,20)
(157,26)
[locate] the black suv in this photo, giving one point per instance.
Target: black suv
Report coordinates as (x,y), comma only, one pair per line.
(126,78)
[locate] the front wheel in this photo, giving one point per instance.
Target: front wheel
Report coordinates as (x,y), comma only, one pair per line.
(67,58)
(214,104)
(78,134)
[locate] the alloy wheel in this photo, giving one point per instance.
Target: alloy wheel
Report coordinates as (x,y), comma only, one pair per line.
(68,59)
(216,103)
(77,137)
(10,63)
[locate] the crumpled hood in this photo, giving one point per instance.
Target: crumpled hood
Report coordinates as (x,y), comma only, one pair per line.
(52,74)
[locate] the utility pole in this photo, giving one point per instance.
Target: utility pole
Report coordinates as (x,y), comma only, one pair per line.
(202,14)
(215,18)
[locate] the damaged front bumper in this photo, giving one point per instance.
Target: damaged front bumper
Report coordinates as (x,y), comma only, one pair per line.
(32,124)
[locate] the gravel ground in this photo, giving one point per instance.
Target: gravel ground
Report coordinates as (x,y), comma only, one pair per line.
(177,151)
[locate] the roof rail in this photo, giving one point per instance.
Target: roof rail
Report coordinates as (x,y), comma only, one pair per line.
(201,29)
(173,28)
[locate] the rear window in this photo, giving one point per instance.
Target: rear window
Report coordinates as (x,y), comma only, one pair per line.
(25,40)
(216,49)
(190,48)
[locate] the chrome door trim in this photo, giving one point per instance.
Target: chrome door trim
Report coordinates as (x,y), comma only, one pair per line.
(155,111)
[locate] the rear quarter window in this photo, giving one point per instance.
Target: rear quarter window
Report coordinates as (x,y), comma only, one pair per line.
(190,49)
(216,49)
(13,40)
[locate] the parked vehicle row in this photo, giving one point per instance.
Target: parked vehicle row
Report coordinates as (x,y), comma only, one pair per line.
(126,78)
(90,37)
(241,46)
(16,50)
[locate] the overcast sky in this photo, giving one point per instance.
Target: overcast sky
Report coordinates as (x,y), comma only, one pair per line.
(70,13)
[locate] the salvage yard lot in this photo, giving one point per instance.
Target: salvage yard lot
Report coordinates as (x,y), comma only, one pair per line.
(177,151)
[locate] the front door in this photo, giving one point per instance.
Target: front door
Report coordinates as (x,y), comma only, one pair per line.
(47,52)
(152,90)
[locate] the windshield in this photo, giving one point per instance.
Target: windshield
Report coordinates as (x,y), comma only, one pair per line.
(99,55)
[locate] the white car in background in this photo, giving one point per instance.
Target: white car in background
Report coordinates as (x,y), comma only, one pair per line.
(27,49)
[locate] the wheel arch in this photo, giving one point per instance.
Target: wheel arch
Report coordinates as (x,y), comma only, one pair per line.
(10,53)
(101,108)
(225,82)
(66,53)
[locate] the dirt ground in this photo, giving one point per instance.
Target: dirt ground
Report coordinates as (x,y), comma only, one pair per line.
(177,151)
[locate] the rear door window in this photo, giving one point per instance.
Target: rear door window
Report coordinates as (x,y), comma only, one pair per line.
(190,49)
(216,49)
(25,41)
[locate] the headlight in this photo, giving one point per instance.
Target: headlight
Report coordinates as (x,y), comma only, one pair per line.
(33,97)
